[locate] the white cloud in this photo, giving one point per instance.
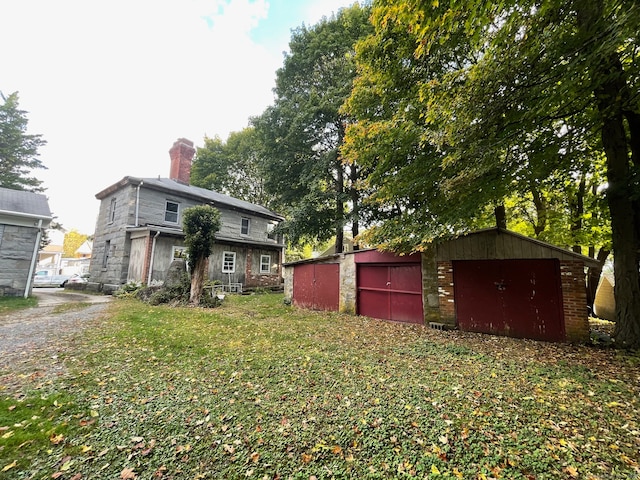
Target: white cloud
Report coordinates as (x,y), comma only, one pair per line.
(112,84)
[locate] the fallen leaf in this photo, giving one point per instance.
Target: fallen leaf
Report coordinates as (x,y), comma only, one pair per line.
(9,466)
(127,474)
(56,439)
(306,458)
(573,471)
(434,470)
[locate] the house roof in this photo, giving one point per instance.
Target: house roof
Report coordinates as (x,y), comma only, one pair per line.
(201,194)
(24,204)
(492,243)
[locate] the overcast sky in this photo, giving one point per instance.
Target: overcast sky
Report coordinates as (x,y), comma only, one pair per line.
(112,84)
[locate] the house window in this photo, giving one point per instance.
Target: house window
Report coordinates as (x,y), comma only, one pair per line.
(244,229)
(107,252)
(179,253)
(228,262)
(265,263)
(171,212)
(112,210)
(271,233)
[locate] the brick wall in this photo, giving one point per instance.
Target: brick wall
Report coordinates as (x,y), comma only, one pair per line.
(253,277)
(574,301)
(147,258)
(445,293)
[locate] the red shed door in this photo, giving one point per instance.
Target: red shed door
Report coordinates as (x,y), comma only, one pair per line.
(317,286)
(390,292)
(516,298)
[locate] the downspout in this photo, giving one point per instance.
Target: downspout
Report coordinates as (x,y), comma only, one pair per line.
(153,251)
(32,267)
(138,202)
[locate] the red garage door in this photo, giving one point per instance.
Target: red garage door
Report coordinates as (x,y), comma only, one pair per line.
(516,298)
(390,292)
(317,286)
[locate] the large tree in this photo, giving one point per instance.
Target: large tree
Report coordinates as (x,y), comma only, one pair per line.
(304,129)
(235,167)
(18,149)
(508,92)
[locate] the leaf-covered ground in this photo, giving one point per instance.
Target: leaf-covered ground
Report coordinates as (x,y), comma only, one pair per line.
(256,389)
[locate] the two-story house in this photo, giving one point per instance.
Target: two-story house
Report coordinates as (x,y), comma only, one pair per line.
(139,230)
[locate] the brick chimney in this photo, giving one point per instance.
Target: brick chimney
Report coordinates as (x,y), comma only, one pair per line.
(181,155)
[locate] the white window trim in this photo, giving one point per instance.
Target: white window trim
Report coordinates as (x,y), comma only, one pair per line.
(177,212)
(233,269)
(268,269)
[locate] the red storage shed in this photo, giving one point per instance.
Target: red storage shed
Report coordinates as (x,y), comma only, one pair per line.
(492,281)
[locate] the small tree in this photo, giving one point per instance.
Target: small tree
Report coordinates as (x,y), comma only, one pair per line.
(73,240)
(200,225)
(18,149)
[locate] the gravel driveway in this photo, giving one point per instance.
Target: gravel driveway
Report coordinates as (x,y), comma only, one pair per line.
(32,339)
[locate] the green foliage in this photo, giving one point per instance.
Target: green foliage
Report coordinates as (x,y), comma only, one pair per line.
(36,426)
(235,168)
(455,118)
(173,295)
(210,168)
(256,388)
(18,149)
(129,289)
(200,224)
(302,132)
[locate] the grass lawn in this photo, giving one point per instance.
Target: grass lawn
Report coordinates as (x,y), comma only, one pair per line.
(9,304)
(256,389)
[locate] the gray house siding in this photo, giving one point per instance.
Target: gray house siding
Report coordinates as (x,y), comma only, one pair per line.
(17,244)
(23,216)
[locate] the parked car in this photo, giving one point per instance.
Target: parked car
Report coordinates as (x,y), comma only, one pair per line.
(44,278)
(75,278)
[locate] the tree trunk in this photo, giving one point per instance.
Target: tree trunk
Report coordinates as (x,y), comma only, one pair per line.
(621,207)
(339,245)
(577,211)
(501,217)
(593,277)
(609,87)
(355,200)
(541,211)
(197,280)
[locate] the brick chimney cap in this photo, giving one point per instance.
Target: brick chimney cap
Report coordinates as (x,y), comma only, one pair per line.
(184,141)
